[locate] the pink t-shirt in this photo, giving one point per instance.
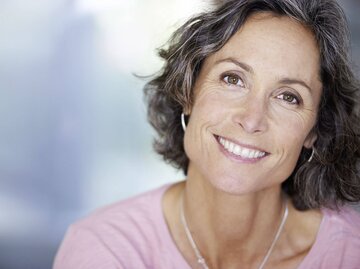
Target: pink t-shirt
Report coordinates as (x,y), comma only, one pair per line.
(133,234)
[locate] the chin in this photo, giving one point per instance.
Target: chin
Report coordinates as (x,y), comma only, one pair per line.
(233,185)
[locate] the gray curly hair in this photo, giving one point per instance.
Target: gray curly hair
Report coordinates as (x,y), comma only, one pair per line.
(332,178)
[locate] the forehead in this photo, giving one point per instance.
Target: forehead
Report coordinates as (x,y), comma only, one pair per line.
(276,44)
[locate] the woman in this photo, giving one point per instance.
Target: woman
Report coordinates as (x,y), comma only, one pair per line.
(257,105)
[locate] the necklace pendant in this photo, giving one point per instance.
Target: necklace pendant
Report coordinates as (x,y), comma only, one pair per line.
(201,260)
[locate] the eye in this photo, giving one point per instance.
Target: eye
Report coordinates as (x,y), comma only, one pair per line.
(232,79)
(289,98)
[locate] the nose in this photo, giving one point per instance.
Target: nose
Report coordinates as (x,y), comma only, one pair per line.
(252,115)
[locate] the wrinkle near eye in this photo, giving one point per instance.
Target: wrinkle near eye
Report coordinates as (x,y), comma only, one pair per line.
(207,86)
(301,119)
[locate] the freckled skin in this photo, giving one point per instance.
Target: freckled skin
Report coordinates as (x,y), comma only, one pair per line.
(256,112)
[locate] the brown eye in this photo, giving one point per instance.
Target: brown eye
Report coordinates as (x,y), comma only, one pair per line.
(289,98)
(233,80)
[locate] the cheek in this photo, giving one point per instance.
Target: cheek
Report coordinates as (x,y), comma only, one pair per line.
(209,108)
(291,130)
(288,134)
(206,115)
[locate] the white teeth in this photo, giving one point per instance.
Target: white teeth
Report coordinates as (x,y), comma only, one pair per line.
(240,151)
(245,152)
(231,147)
(237,150)
(222,140)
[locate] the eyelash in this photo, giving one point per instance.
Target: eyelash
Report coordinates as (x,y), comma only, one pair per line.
(225,78)
(296,100)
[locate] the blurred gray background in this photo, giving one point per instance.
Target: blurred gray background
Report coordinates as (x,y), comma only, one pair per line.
(73,130)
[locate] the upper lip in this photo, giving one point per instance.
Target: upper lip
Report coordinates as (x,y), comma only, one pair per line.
(241,144)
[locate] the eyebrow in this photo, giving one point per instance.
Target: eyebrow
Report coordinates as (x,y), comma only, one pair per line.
(249,69)
(244,66)
(295,81)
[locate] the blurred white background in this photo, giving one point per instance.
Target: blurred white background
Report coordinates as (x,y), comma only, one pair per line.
(73,130)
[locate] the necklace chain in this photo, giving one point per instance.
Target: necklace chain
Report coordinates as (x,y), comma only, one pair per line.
(200,259)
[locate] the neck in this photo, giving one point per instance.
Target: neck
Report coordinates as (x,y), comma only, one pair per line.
(231,229)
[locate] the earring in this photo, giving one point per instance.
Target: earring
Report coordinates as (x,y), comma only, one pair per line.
(312,154)
(183,124)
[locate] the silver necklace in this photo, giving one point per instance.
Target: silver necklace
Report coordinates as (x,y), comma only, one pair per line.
(200,259)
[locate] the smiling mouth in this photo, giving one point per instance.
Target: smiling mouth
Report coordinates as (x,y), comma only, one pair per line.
(240,151)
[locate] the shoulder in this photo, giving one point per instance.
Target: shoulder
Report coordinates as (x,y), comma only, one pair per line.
(138,208)
(130,216)
(129,228)
(337,243)
(342,223)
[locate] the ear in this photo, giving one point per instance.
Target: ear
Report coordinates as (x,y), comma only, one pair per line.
(310,140)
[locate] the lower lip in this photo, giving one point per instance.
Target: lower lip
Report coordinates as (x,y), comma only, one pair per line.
(238,158)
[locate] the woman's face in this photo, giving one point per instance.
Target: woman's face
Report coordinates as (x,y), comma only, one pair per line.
(255,105)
